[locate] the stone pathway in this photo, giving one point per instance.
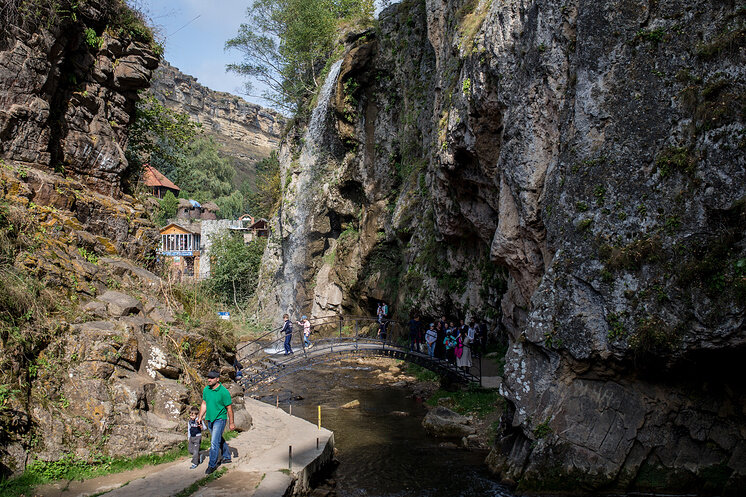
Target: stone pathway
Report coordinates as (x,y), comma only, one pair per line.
(259,469)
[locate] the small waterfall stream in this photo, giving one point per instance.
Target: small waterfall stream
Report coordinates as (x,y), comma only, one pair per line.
(296,225)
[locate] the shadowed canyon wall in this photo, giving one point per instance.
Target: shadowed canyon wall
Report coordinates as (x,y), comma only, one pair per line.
(575,173)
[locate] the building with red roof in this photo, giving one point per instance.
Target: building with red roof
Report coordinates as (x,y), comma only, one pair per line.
(157,182)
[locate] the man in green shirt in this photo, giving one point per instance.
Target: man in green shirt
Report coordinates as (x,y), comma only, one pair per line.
(216,409)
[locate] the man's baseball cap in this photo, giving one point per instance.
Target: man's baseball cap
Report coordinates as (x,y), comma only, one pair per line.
(213,374)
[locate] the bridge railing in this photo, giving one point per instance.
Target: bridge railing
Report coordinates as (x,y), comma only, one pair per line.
(324,329)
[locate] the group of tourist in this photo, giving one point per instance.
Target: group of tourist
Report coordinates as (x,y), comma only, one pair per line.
(447,340)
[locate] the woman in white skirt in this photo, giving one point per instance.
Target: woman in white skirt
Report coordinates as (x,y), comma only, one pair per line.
(463,360)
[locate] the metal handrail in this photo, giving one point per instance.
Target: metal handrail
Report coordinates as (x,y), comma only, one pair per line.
(291,365)
(338,320)
(317,322)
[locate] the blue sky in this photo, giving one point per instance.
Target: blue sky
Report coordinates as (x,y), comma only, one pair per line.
(195,46)
(194,33)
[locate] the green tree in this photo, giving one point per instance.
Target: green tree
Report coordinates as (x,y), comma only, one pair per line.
(261,201)
(234,268)
(284,45)
(159,133)
(201,173)
(169,204)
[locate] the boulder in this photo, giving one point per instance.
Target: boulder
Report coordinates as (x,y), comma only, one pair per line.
(120,304)
(242,419)
(443,423)
(351,405)
(167,398)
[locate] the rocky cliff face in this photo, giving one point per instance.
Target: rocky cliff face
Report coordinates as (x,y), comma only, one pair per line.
(66,100)
(246,131)
(573,170)
(94,358)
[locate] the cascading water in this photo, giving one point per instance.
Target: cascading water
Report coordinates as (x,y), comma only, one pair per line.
(296,221)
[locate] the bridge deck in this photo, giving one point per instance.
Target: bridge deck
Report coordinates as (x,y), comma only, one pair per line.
(268,363)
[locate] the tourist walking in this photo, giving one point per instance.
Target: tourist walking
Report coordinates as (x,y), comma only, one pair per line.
(306,331)
(431,336)
(382,329)
(287,328)
(450,343)
(463,351)
(216,409)
(194,435)
(440,350)
(415,332)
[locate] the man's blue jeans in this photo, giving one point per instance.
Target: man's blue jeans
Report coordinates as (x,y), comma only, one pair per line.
(431,349)
(217,442)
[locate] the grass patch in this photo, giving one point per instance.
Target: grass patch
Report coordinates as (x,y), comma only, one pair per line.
(201,483)
(421,373)
(473,400)
(70,467)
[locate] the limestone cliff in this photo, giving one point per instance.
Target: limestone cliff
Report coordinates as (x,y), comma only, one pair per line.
(96,354)
(590,154)
(246,131)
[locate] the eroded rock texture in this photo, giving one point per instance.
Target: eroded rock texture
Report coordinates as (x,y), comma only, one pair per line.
(594,153)
(66,103)
(94,358)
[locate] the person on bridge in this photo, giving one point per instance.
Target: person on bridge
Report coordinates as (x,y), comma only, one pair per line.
(450,343)
(382,329)
(440,329)
(216,409)
(431,336)
(463,344)
(415,333)
(306,331)
(287,328)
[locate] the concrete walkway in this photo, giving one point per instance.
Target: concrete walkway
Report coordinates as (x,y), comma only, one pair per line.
(259,470)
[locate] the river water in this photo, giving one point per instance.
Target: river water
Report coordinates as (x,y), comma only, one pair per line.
(382,449)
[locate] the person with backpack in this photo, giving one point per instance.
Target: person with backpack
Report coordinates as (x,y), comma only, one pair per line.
(382,330)
(450,343)
(287,328)
(379,312)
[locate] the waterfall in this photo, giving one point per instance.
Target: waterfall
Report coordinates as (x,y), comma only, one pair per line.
(312,155)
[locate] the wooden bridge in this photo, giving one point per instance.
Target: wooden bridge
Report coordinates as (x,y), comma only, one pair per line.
(263,360)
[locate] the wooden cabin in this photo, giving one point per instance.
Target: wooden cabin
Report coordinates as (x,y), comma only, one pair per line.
(158,184)
(181,247)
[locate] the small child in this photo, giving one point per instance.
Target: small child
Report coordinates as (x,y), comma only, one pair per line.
(194,435)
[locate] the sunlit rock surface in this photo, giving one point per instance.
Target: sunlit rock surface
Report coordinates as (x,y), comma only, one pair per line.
(575,174)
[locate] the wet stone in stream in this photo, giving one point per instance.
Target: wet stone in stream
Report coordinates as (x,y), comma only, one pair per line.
(382,449)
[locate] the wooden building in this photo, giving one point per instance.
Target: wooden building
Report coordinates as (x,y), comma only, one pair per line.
(158,184)
(180,246)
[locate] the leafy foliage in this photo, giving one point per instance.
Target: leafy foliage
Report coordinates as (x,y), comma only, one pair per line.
(234,268)
(174,145)
(168,207)
(159,134)
(284,45)
(473,400)
(267,191)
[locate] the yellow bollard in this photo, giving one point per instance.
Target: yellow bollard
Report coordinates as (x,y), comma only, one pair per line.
(319,417)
